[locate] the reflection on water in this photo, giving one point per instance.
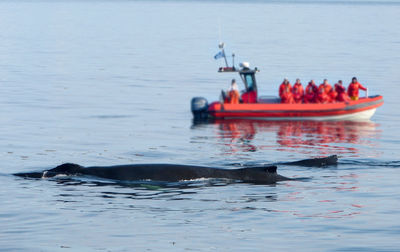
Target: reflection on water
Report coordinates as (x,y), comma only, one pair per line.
(305,137)
(122,195)
(146,189)
(74,190)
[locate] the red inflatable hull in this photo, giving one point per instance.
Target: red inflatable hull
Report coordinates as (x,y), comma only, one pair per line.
(363,109)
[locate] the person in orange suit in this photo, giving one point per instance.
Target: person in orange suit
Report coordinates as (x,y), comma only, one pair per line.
(310,95)
(285,92)
(233,93)
(353,88)
(341,92)
(298,92)
(323,92)
(332,95)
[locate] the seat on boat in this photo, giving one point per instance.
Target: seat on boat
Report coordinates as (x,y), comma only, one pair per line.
(268,99)
(249,97)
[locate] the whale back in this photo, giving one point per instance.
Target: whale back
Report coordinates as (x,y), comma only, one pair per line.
(260,174)
(67,169)
(268,169)
(165,172)
(316,162)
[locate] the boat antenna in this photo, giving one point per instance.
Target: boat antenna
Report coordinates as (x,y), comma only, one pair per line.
(221,44)
(233,60)
(219,30)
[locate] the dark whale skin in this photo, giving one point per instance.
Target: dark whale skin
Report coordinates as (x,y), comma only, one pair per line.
(176,172)
(315,162)
(164,172)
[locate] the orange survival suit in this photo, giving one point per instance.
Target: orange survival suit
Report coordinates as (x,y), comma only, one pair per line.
(233,96)
(352,90)
(341,93)
(285,92)
(323,93)
(311,93)
(298,92)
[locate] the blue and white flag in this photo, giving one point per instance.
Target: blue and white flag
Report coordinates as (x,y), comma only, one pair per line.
(219,55)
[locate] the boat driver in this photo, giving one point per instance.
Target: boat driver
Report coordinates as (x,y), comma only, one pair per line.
(233,93)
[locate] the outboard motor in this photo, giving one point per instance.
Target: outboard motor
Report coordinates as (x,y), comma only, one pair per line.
(199,107)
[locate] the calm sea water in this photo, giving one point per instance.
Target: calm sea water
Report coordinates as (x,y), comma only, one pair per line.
(109,82)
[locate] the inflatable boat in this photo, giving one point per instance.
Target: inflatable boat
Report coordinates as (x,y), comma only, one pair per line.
(271,108)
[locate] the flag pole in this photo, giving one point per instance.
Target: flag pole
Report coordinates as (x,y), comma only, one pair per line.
(221,46)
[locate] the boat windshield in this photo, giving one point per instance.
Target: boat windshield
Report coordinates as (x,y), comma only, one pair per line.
(249,82)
